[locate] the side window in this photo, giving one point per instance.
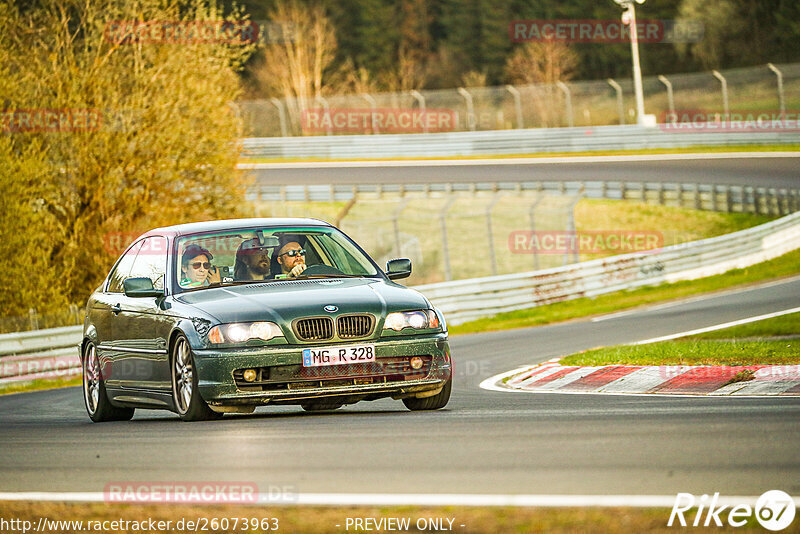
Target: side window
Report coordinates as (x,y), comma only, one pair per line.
(151,262)
(122,269)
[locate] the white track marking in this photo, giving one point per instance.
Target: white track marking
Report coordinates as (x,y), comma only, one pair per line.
(569,378)
(418,499)
(718,326)
(513,161)
(643,380)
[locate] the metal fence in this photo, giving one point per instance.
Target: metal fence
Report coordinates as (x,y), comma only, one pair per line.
(465,300)
(499,142)
(447,234)
(581,104)
(711,197)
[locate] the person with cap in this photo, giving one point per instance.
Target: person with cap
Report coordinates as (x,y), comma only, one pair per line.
(196,270)
(291,257)
(252,261)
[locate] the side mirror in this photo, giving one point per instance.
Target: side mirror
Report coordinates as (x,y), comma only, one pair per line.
(141,287)
(396,269)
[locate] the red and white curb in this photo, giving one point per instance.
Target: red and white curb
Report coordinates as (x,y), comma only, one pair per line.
(552,377)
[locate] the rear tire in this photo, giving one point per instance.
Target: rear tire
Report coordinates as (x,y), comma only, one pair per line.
(430,403)
(189,405)
(95,398)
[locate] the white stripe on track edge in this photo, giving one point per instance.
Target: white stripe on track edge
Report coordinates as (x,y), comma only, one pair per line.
(718,326)
(512,161)
(411,499)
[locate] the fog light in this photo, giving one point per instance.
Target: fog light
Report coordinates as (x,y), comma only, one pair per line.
(416,362)
(249,375)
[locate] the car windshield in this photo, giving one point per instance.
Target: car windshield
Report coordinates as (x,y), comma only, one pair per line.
(267,254)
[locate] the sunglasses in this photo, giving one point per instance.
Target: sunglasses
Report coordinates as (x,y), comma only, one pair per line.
(293,253)
(196,265)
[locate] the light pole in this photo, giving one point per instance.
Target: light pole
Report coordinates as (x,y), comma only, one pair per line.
(629,18)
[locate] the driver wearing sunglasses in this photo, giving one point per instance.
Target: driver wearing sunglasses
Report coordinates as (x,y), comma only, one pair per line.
(196,269)
(292,259)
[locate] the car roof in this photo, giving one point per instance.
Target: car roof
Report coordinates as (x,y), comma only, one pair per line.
(224,224)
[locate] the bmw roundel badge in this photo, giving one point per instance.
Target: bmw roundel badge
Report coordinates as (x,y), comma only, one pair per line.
(330,308)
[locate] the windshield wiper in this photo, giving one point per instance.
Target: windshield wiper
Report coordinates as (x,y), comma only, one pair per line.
(308,277)
(236,283)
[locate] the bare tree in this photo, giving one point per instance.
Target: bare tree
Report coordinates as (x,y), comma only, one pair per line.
(541,64)
(297,68)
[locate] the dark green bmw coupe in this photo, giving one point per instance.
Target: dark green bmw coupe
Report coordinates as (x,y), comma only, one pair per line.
(221,317)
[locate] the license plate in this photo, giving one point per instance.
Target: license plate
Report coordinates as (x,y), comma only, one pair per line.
(320,356)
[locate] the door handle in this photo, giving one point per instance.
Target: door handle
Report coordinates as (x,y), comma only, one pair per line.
(116,309)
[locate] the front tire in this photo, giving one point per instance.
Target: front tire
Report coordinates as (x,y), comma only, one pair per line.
(95,398)
(430,403)
(189,405)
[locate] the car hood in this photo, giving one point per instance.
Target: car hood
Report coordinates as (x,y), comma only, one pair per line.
(284,301)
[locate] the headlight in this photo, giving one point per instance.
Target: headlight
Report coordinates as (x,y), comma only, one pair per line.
(241,332)
(419,320)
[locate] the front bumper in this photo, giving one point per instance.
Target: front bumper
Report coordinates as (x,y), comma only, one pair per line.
(218,385)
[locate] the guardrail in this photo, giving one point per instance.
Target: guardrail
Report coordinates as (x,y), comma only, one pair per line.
(465,300)
(52,353)
(499,142)
(715,197)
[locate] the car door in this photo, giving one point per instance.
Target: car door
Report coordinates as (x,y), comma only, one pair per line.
(104,312)
(143,325)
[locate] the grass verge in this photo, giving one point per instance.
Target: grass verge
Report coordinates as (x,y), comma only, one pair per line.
(748,344)
(783,266)
(694,352)
(648,151)
(41,384)
(784,325)
(314,520)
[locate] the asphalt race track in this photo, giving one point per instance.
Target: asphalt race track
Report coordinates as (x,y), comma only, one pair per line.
(483,442)
(763,171)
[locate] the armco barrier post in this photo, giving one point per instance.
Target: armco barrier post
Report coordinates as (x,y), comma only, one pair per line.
(396,226)
(670,96)
(421,101)
(327,109)
(490,234)
(532,214)
(781,100)
(571,227)
(517,104)
(448,275)
(372,105)
(471,122)
(281,116)
(568,102)
(620,107)
(725,109)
